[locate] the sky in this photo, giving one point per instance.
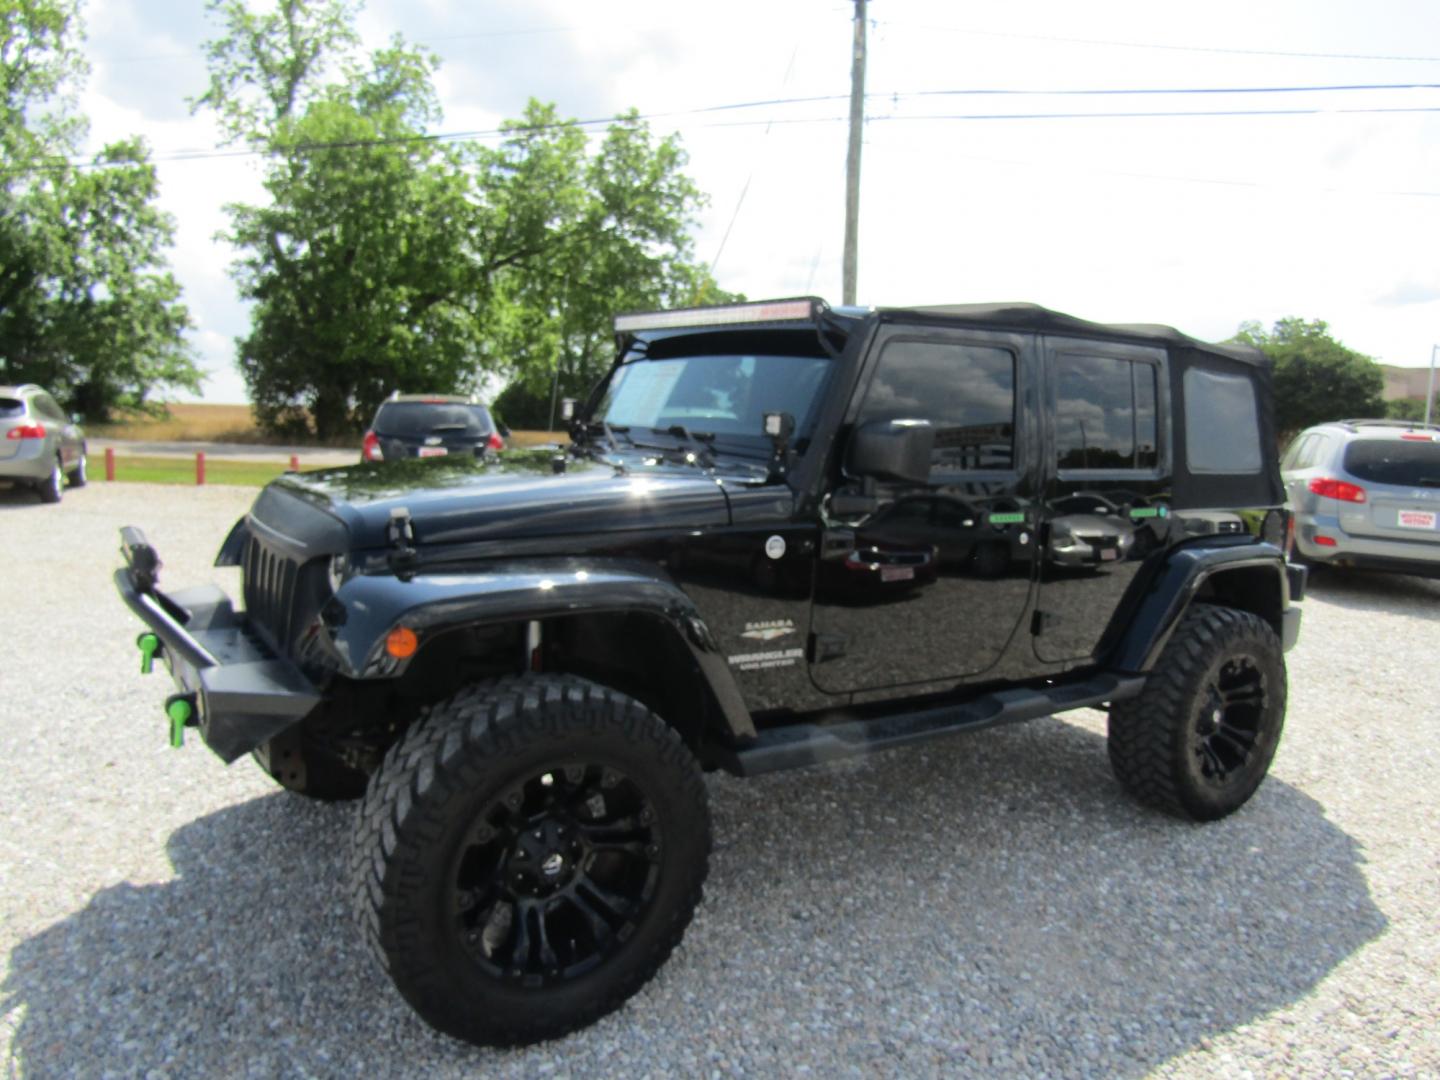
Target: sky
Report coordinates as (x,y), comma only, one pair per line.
(979,181)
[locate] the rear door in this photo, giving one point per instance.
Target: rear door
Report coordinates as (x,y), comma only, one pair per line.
(1107,477)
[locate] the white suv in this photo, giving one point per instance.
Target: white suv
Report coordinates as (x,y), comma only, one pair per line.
(1366,494)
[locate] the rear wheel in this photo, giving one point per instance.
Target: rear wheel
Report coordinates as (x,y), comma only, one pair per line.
(528,855)
(49,488)
(1199,739)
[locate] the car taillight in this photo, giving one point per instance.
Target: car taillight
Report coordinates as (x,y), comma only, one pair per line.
(1325,541)
(1337,489)
(370,448)
(26,431)
(495,442)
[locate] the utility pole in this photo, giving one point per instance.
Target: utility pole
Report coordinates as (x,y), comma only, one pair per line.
(850,267)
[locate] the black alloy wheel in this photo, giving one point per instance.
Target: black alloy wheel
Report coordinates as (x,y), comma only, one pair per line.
(528,855)
(555,873)
(1199,739)
(1229,720)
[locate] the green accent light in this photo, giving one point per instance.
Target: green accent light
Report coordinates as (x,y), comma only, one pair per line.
(1006,519)
(1148,512)
(149,645)
(179,712)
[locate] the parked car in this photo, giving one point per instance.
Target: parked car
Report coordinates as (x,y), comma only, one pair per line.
(430,425)
(1365,495)
(39,445)
(524,665)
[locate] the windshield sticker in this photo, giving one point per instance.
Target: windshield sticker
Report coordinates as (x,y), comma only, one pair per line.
(768,630)
(761,661)
(775,547)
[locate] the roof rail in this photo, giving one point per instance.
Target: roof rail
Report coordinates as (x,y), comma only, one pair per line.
(1352,424)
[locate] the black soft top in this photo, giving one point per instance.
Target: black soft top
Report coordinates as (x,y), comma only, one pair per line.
(1037,319)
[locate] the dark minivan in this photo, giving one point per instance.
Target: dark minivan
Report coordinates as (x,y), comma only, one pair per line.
(430,425)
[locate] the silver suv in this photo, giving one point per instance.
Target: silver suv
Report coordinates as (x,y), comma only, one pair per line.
(1366,494)
(39,444)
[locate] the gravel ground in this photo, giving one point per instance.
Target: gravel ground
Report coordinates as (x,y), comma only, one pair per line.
(987,904)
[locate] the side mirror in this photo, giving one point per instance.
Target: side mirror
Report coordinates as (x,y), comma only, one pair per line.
(895,450)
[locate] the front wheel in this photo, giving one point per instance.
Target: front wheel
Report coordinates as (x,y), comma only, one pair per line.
(1199,739)
(528,855)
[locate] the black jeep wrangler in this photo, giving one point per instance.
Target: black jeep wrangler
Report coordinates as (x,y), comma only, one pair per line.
(783,534)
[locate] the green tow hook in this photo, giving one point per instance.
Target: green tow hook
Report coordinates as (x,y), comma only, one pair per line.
(179,712)
(149,644)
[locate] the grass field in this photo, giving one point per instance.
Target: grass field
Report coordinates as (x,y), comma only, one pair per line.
(235,424)
(186,423)
(139,469)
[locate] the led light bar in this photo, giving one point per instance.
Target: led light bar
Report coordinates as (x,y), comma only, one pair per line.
(727,315)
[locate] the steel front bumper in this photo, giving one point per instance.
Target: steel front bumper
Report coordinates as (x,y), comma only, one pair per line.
(240,694)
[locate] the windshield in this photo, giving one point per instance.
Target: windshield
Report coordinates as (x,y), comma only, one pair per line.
(722,394)
(1413,463)
(413,418)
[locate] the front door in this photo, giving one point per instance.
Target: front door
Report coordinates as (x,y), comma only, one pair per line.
(931,586)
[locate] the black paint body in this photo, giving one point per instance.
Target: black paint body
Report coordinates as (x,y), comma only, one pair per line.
(732,595)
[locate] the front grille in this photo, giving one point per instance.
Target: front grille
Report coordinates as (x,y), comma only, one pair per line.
(270,593)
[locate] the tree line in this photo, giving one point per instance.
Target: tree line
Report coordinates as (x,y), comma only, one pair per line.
(382,258)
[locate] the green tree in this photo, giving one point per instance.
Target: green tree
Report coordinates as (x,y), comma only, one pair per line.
(357,266)
(618,238)
(1412,409)
(385,260)
(87,305)
(1316,378)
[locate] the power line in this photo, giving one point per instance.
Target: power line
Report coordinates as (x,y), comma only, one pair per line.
(482,134)
(1167,48)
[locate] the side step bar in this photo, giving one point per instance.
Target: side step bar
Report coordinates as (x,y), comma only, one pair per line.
(797,745)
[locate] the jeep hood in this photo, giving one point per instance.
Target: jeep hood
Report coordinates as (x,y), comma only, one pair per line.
(515,494)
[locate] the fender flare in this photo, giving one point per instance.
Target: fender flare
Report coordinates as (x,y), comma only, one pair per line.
(367,608)
(1173,588)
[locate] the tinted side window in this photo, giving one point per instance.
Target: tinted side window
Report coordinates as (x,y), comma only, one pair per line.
(1105,413)
(966,391)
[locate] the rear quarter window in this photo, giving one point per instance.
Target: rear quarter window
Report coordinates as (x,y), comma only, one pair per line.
(1222,423)
(1405,462)
(11,407)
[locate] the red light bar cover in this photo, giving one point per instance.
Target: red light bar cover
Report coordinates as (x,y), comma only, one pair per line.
(727,315)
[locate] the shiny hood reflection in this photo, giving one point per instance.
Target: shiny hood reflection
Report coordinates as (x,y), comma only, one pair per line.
(517,493)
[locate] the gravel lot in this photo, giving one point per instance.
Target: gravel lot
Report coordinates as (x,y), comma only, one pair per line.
(989,903)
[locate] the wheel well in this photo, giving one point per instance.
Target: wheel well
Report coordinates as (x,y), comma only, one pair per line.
(1256,589)
(640,655)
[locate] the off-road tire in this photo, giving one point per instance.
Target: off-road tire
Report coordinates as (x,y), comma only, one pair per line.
(78,476)
(1167,747)
(49,489)
(440,787)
